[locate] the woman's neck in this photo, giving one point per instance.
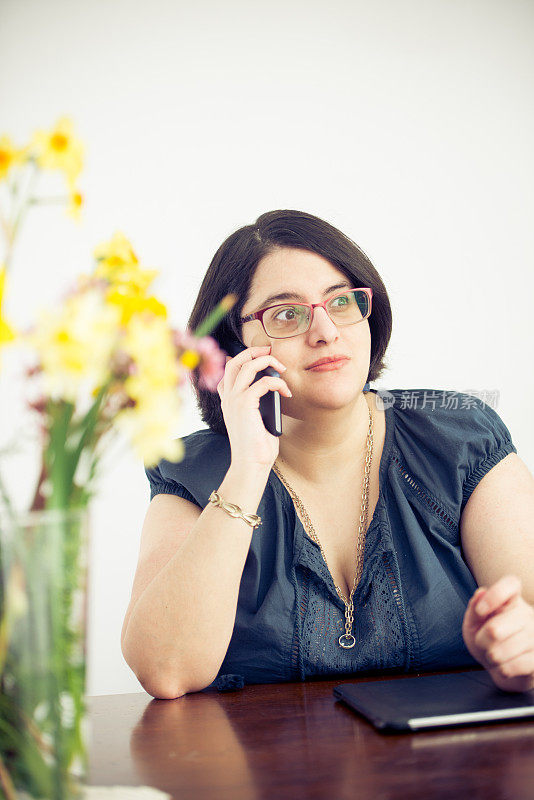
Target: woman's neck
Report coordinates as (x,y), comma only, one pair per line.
(327,445)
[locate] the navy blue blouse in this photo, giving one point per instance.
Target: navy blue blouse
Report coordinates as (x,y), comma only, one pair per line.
(415,584)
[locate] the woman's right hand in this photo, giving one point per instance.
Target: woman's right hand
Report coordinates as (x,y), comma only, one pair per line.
(250,441)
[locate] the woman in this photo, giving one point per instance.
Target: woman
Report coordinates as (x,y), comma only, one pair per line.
(381,512)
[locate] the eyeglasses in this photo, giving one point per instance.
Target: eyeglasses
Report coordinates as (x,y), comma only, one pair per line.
(285,320)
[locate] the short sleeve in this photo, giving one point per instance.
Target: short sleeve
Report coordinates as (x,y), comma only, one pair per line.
(490,443)
(447,441)
(205,461)
(161,485)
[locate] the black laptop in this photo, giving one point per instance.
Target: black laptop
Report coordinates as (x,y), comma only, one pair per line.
(431,701)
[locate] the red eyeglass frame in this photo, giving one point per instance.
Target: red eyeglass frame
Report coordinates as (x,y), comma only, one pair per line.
(259,314)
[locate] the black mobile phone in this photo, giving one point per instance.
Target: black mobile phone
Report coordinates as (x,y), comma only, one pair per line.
(270,402)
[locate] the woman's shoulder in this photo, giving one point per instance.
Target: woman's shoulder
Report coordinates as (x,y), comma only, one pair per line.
(201,449)
(449,438)
(205,460)
(204,441)
(443,411)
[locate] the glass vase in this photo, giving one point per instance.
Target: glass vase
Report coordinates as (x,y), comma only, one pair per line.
(43,628)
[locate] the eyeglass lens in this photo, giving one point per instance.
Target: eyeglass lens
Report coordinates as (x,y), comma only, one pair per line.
(288,320)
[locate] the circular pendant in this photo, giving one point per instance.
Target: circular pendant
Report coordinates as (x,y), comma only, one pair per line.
(347,640)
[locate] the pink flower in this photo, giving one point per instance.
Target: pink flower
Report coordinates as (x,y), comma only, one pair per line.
(212,358)
(122,365)
(212,363)
(34,369)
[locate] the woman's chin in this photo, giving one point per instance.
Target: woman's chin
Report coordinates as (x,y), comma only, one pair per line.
(332,398)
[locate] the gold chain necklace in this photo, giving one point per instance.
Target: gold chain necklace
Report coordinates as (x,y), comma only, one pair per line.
(346,640)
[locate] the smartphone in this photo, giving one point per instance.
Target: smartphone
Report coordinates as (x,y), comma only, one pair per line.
(270,402)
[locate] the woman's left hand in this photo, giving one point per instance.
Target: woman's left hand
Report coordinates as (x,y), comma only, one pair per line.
(498,631)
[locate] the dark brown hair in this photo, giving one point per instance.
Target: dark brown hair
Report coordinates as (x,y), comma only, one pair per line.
(232,270)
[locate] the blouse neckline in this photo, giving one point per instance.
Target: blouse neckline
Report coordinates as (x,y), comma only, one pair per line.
(382,471)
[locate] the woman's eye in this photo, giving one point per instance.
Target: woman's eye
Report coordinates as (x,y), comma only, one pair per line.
(291,312)
(343,300)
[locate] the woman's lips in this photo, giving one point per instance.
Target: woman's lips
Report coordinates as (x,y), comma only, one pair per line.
(330,365)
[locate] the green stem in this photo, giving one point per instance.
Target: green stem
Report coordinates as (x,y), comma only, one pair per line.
(61,415)
(215,316)
(87,441)
(5,225)
(17,220)
(4,632)
(39,501)
(6,783)
(58,606)
(38,201)
(62,458)
(7,502)
(13,186)
(89,422)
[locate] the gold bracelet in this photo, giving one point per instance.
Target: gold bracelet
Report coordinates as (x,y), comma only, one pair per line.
(251,519)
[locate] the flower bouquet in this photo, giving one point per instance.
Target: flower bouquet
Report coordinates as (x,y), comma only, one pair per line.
(105,363)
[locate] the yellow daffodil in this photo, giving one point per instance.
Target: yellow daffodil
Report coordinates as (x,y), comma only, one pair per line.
(9,156)
(130,279)
(76,202)
(190,359)
(117,252)
(149,342)
(119,265)
(59,149)
(151,425)
(131,303)
(7,333)
(75,345)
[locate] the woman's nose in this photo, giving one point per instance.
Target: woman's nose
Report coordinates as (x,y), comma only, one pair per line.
(322,325)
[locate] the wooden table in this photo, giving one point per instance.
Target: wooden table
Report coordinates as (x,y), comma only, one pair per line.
(294,740)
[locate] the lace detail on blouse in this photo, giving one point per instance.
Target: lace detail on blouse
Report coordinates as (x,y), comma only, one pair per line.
(433,504)
(379,619)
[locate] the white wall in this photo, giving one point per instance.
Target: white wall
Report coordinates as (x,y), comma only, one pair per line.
(406,123)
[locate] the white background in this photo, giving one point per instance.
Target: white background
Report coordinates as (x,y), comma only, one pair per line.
(408,124)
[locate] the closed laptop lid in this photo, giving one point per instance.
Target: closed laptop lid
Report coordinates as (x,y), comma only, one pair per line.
(427,701)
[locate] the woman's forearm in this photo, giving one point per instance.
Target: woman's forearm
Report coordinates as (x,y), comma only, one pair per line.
(180,628)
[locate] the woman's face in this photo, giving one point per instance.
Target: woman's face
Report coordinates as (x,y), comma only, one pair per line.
(310,276)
